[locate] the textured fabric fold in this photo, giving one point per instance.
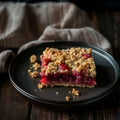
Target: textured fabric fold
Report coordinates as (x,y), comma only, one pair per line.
(85,35)
(23,25)
(5,59)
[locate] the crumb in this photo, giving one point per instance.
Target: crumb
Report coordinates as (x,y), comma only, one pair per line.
(29,70)
(57,93)
(67,98)
(42,85)
(33,58)
(36,66)
(34,74)
(75,92)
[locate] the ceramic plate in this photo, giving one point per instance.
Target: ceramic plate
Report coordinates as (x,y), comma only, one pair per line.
(107,77)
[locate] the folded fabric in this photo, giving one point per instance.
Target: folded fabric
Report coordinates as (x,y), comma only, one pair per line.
(85,35)
(23,25)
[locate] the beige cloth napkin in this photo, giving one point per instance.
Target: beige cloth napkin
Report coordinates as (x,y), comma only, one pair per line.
(23,25)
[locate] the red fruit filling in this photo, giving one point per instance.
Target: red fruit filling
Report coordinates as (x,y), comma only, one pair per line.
(46,61)
(87,55)
(64,67)
(70,78)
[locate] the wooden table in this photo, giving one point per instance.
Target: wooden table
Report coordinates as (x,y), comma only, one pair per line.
(15,106)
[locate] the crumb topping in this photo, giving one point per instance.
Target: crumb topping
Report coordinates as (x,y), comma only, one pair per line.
(33,58)
(33,69)
(76,59)
(34,74)
(75,92)
(36,66)
(67,98)
(42,85)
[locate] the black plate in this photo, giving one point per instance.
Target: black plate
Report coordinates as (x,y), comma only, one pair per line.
(107,77)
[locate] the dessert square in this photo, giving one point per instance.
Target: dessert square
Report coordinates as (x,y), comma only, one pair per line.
(68,67)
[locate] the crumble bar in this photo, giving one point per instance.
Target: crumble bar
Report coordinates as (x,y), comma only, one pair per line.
(68,67)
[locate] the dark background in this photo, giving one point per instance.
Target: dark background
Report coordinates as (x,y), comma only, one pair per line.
(88,4)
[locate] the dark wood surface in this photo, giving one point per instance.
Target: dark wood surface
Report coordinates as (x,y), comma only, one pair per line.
(14,106)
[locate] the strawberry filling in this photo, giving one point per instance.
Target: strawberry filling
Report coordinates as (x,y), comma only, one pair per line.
(70,78)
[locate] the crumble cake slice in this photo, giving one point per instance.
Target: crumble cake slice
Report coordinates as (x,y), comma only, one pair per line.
(68,67)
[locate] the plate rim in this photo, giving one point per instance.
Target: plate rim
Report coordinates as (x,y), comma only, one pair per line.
(48,101)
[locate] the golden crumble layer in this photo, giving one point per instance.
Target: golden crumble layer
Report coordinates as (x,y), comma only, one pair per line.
(76,59)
